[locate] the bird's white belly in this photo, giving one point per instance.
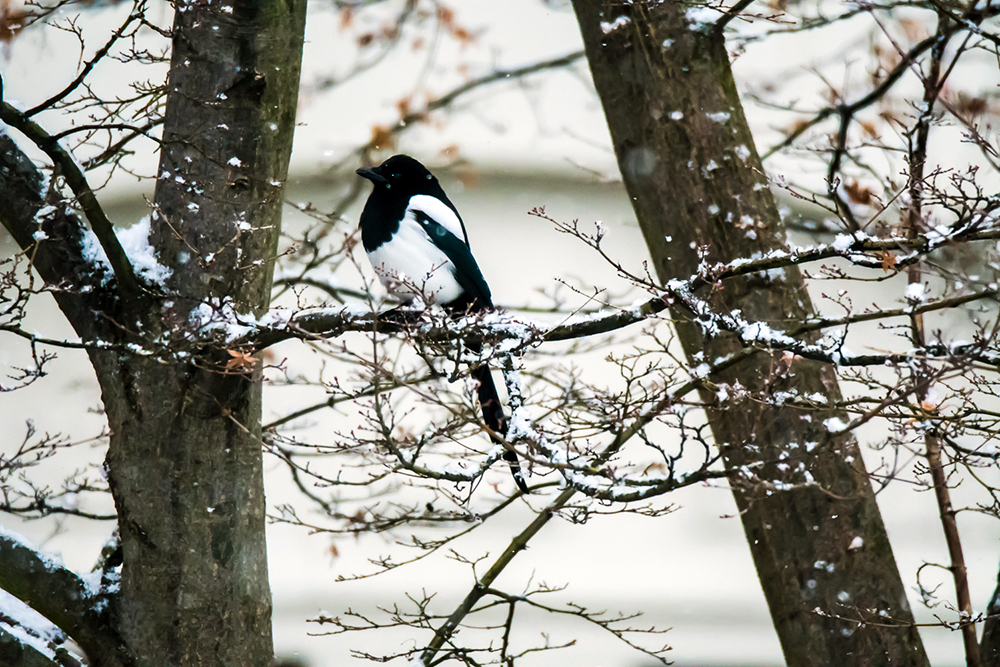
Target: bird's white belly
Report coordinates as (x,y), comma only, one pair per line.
(410,265)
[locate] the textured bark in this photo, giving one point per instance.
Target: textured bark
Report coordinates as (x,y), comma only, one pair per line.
(185,458)
(89,305)
(184,462)
(63,598)
(695,180)
(14,653)
(58,259)
(989,646)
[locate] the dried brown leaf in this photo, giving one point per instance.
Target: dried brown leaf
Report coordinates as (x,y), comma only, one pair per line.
(11,22)
(870,129)
(857,194)
(403,107)
(382,137)
(888,261)
(970,106)
(445,16)
(240,361)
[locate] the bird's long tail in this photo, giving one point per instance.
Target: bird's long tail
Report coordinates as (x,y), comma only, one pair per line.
(489,401)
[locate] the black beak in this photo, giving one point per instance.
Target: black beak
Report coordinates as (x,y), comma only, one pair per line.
(372,175)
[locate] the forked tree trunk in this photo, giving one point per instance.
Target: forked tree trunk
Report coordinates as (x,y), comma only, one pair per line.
(695,180)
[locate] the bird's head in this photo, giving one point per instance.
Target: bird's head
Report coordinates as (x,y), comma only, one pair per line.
(403,176)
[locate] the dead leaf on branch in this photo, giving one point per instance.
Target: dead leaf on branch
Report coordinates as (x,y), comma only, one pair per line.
(914,30)
(869,129)
(888,261)
(241,362)
(969,105)
(858,194)
(382,137)
(464,36)
(445,16)
(12,21)
(403,107)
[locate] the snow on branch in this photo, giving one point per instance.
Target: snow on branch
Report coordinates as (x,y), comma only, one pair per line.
(20,645)
(59,595)
(68,168)
(512,336)
(591,478)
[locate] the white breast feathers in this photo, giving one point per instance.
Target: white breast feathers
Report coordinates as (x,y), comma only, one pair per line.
(410,265)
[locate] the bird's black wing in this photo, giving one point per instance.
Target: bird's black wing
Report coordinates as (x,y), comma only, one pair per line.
(467,272)
(471,279)
(439,194)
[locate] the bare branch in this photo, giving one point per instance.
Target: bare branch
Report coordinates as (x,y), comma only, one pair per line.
(99,223)
(138,9)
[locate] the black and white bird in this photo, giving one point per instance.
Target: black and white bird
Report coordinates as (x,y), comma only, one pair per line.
(418,246)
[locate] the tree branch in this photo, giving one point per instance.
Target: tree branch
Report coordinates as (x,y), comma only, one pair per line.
(449,97)
(67,167)
(135,14)
(334,322)
(16,653)
(494,76)
(53,240)
(61,596)
(731,13)
(520,542)
(933,83)
(847,111)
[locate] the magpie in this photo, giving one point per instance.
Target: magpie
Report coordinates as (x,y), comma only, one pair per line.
(417,244)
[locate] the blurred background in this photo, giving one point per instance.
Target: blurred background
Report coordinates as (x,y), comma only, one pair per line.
(501,149)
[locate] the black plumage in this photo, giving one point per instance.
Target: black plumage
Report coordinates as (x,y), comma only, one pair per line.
(419,248)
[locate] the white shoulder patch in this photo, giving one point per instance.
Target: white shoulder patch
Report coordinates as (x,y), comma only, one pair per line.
(437,211)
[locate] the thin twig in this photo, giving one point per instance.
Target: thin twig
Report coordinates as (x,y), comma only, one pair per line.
(68,168)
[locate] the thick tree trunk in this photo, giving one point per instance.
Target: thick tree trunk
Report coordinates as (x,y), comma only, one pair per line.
(184,462)
(696,181)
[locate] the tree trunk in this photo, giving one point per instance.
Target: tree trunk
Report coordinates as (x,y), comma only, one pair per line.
(696,182)
(989,646)
(184,463)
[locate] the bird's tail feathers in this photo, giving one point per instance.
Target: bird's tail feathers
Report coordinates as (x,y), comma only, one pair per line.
(489,402)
